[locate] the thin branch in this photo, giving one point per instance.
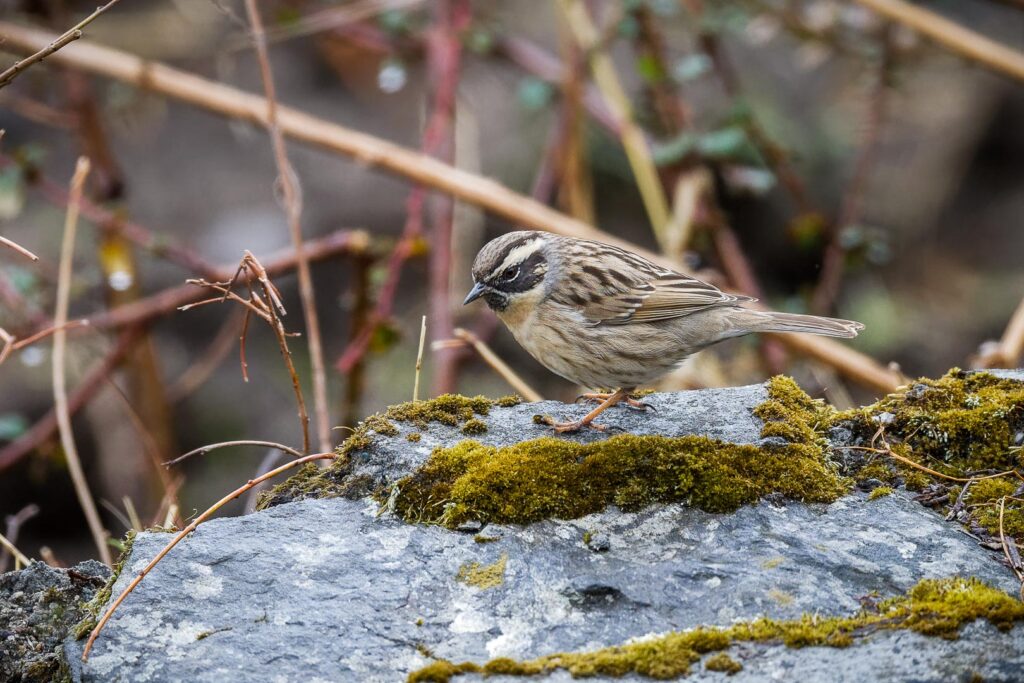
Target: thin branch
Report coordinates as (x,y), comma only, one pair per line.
(464,185)
(12,344)
(45,427)
(852,207)
(69,36)
(293,208)
(203,450)
(1007,353)
(963,41)
(499,366)
(185,532)
(99,534)
(13,524)
(633,139)
(18,248)
(419,359)
(19,557)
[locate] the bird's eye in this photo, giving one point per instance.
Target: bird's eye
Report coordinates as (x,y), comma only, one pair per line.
(510,274)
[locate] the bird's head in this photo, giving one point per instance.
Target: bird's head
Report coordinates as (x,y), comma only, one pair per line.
(509,269)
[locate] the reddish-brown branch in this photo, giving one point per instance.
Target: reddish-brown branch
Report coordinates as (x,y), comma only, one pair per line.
(168,300)
(18,248)
(13,524)
(852,207)
(45,427)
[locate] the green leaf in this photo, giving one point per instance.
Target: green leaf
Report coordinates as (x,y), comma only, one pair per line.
(534,94)
(12,425)
(724,143)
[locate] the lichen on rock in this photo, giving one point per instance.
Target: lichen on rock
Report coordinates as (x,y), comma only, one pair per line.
(933,607)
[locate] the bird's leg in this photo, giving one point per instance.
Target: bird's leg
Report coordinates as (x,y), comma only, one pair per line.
(588,419)
(598,397)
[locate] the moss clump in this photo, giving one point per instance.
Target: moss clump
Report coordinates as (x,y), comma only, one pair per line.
(983,501)
(724,663)
(94,608)
(448,409)
(791,414)
(483,576)
(413,437)
(474,427)
(880,492)
(508,401)
(934,607)
(553,478)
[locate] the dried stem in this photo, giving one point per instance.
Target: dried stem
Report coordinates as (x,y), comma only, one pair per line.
(19,557)
(203,450)
(188,530)
(419,359)
(99,534)
(12,344)
(633,140)
(499,366)
(69,36)
(293,208)
(44,428)
(852,207)
(952,35)
(18,248)
(1007,353)
(13,524)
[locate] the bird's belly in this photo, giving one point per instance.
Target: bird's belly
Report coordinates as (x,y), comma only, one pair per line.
(597,357)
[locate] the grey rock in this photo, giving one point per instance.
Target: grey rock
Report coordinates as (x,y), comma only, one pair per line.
(329,590)
(38,607)
(334,590)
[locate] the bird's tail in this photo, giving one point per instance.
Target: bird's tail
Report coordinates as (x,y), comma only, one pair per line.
(772,321)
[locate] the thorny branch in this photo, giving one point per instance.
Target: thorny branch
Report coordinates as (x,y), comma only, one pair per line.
(292,195)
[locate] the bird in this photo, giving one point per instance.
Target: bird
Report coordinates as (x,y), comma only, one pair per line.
(603,317)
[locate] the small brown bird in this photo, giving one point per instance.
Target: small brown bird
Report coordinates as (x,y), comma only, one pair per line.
(601,316)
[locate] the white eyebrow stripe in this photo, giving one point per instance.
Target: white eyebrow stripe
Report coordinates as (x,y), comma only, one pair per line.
(517,256)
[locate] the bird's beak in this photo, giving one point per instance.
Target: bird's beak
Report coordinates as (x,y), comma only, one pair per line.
(475,293)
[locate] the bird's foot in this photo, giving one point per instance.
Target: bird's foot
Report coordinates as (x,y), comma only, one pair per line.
(572,426)
(631,403)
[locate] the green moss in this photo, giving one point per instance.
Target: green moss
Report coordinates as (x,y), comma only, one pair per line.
(480,538)
(508,401)
(413,437)
(724,663)
(880,492)
(934,607)
(553,478)
(449,409)
(95,607)
(484,576)
(474,427)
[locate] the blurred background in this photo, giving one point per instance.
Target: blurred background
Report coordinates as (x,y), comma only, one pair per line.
(816,153)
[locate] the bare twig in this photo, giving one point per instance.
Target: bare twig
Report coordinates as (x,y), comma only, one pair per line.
(952,35)
(292,196)
(13,524)
(18,248)
(267,307)
(44,428)
(185,532)
(99,534)
(419,359)
(69,36)
(499,366)
(1007,353)
(12,344)
(633,141)
(464,185)
(19,557)
(852,207)
(203,450)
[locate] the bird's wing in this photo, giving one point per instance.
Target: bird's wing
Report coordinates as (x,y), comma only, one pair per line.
(619,288)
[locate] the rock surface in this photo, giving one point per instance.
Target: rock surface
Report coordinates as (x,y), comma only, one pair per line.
(38,606)
(331,590)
